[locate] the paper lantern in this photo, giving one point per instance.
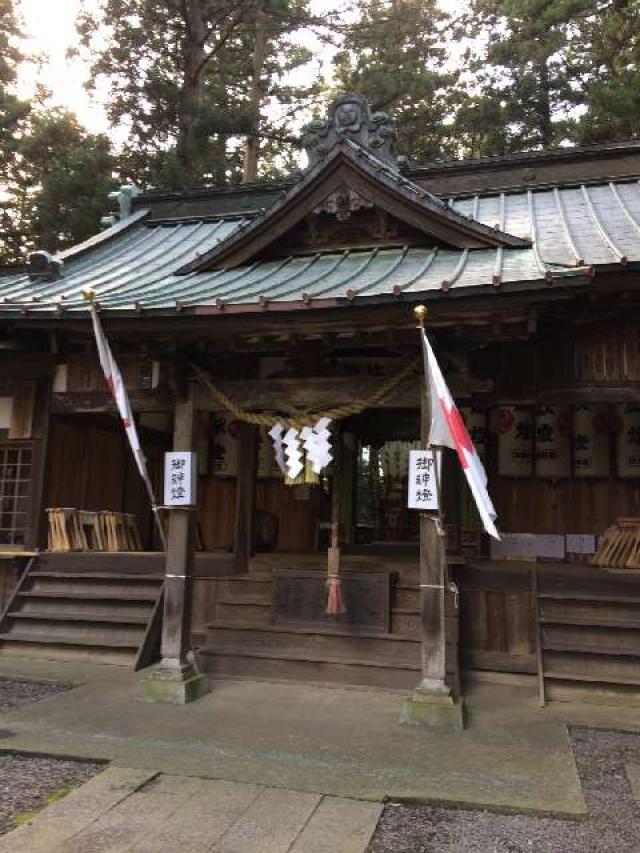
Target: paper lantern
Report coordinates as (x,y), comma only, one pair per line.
(553,441)
(591,441)
(628,440)
(515,441)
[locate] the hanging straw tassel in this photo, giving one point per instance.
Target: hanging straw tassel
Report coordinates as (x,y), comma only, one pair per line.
(335,600)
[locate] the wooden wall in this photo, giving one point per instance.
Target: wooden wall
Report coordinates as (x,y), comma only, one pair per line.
(569,506)
(90,467)
(296,519)
(496,617)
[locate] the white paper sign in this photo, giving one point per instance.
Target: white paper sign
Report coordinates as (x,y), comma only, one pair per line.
(581,543)
(512,546)
(180,479)
(551,546)
(422,488)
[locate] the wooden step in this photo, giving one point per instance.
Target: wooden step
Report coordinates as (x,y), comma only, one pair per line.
(316,645)
(101,576)
(93,607)
(66,652)
(114,618)
(257,665)
(76,615)
(107,642)
(91,585)
(96,596)
(84,631)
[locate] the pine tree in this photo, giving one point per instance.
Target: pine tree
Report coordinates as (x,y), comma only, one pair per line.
(394,54)
(57,184)
(190,79)
(12,111)
(607,57)
(523,90)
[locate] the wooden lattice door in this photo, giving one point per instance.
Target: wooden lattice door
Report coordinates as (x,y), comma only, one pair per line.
(16,465)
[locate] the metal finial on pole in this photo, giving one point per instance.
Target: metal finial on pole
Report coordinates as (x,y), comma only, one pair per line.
(420,313)
(88,294)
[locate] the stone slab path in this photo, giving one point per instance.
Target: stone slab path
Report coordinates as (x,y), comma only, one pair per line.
(123,810)
(330,741)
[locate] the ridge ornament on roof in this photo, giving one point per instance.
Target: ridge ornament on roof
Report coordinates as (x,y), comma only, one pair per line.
(350,117)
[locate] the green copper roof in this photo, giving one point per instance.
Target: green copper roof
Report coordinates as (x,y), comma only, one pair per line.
(132,266)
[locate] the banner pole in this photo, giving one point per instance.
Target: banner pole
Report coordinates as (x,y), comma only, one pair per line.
(433,557)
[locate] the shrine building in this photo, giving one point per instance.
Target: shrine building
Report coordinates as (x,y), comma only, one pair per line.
(233,311)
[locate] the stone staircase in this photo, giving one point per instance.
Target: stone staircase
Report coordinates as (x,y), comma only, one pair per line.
(100,617)
(244,640)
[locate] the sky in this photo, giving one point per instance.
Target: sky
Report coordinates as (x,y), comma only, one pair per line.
(49,26)
(50,29)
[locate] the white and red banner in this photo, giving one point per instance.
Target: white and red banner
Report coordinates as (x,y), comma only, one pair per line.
(119,393)
(448,430)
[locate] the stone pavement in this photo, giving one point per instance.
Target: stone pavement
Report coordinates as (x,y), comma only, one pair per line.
(633,775)
(340,742)
(140,811)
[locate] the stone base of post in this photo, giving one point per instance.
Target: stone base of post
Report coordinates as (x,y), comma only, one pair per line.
(435,706)
(174,684)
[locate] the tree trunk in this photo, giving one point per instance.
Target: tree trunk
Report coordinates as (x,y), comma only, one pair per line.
(195,59)
(543,106)
(250,170)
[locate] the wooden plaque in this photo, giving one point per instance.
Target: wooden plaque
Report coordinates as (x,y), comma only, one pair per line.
(299,598)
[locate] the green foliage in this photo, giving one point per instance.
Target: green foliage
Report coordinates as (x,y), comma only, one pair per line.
(12,110)
(395,54)
(607,57)
(522,91)
(180,79)
(547,73)
(56,185)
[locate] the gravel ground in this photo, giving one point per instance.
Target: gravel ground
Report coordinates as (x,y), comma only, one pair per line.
(13,694)
(26,784)
(613,824)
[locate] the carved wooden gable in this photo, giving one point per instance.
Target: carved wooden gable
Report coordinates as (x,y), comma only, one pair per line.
(352,195)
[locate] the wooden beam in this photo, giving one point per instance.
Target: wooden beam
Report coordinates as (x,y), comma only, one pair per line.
(176,627)
(245,497)
(87,402)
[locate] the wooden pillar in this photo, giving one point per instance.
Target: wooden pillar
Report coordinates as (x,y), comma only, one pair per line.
(41,421)
(432,702)
(333,553)
(432,576)
(176,679)
(245,497)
